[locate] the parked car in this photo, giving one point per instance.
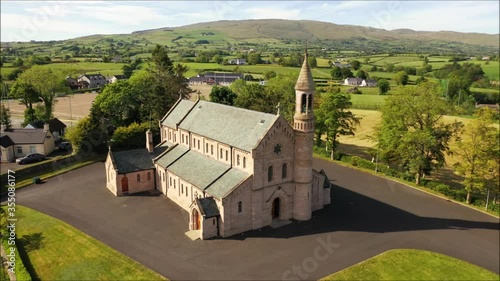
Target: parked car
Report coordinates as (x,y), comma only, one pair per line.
(30,158)
(64,145)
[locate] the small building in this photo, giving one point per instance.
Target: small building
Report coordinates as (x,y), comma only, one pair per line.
(72,83)
(369,83)
(92,80)
(486,58)
(116,78)
(56,127)
(215,78)
(353,81)
(237,61)
(17,143)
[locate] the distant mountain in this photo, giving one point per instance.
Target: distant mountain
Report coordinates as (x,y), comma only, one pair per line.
(316,30)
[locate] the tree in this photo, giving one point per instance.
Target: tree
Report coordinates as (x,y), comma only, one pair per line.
(383,86)
(401,78)
(479,153)
(346,72)
(355,64)
(313,62)
(269,74)
(412,133)
(334,116)
(18,62)
(27,95)
(217,59)
(132,136)
(254,58)
(5,117)
(47,82)
(119,103)
(222,95)
(362,74)
(336,73)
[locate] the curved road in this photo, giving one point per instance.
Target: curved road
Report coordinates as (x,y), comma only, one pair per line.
(368,215)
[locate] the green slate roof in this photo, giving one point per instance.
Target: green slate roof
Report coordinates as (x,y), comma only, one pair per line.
(234,126)
(177,113)
(208,207)
(171,156)
(128,161)
(226,183)
(133,160)
(198,169)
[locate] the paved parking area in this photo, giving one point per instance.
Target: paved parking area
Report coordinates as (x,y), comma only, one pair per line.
(368,215)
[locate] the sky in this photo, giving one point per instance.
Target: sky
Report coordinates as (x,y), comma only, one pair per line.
(58,20)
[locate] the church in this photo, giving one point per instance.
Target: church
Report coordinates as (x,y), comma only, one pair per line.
(232,169)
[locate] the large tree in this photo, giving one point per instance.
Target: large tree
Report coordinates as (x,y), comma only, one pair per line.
(479,153)
(401,78)
(119,103)
(27,95)
(47,82)
(5,117)
(383,86)
(335,118)
(222,95)
(412,132)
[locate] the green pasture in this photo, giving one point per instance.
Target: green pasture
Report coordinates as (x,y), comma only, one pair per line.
(58,251)
(406,264)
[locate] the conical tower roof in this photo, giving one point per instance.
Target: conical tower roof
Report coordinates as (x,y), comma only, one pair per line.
(305,81)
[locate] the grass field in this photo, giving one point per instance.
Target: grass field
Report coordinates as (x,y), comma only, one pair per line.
(403,264)
(58,251)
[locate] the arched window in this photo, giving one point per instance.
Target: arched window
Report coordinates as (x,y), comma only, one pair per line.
(303,104)
(283,171)
(211,149)
(138,178)
(270,173)
(182,188)
(309,102)
(206,148)
(227,155)
(238,160)
(149,176)
(240,207)
(244,162)
(199,144)
(221,153)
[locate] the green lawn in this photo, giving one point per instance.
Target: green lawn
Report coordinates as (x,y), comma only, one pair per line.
(413,265)
(78,68)
(58,251)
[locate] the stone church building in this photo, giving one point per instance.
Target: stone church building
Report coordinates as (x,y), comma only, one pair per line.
(231,169)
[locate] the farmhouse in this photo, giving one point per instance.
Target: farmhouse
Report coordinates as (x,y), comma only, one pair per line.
(90,81)
(353,81)
(115,78)
(56,127)
(237,61)
(15,143)
(369,83)
(215,78)
(231,169)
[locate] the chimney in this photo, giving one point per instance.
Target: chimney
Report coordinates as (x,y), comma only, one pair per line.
(149,141)
(46,127)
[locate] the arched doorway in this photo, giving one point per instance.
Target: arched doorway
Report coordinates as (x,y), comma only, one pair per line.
(196,220)
(276,209)
(124,185)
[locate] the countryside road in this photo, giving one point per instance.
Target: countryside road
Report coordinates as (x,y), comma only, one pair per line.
(368,215)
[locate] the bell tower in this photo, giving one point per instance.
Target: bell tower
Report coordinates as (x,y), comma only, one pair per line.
(303,124)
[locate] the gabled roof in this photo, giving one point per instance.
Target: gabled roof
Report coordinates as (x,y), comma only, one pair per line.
(198,169)
(176,113)
(208,207)
(5,141)
(54,125)
(135,160)
(216,178)
(227,182)
(26,136)
(233,126)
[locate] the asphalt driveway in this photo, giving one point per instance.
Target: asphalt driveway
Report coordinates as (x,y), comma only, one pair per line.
(368,215)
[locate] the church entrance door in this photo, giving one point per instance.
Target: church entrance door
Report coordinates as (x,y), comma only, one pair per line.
(124,185)
(196,220)
(276,208)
